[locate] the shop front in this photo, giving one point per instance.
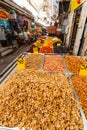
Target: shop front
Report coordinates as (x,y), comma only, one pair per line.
(4,21)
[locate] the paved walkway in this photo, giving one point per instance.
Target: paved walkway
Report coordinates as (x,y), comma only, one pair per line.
(4,62)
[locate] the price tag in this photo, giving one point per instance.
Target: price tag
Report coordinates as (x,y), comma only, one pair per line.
(35,50)
(58,44)
(86,34)
(21,63)
(83,70)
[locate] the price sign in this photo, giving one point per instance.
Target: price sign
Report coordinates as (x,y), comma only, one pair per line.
(35,50)
(21,63)
(58,44)
(83,70)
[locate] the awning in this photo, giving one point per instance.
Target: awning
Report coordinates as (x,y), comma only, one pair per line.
(11,5)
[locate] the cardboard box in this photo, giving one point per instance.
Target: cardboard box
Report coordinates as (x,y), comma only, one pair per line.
(52,30)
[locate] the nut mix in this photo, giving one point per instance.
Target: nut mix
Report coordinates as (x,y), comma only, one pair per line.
(53,64)
(74,63)
(33,61)
(80,84)
(40,101)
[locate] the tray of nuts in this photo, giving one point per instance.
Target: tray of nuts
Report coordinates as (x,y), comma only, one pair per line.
(53,64)
(34,61)
(79,84)
(37,100)
(73,64)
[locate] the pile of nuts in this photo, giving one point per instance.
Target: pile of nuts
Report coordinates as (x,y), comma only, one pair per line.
(74,63)
(53,63)
(33,61)
(80,84)
(40,101)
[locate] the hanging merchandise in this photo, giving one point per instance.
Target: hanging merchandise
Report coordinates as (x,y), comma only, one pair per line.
(12,15)
(25,25)
(21,20)
(3,15)
(32,26)
(75,4)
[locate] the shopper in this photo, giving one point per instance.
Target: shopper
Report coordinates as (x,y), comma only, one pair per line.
(3,39)
(63,29)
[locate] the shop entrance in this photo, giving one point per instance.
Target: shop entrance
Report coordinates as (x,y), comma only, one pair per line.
(83,38)
(75,27)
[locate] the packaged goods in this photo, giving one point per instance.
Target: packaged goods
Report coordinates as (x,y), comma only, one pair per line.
(80,84)
(74,63)
(53,64)
(33,61)
(39,100)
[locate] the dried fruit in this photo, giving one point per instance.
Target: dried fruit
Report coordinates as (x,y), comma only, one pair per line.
(46,49)
(53,64)
(33,61)
(74,63)
(80,84)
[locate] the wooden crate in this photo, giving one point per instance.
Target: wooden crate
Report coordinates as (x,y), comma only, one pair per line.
(52,30)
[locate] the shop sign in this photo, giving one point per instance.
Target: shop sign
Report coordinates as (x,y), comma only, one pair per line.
(76,3)
(58,44)
(83,70)
(35,50)
(21,63)
(3,15)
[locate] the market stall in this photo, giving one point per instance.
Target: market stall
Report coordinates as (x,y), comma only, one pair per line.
(46,44)
(38,97)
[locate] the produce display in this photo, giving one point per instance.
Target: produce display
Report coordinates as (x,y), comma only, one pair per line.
(46,49)
(33,61)
(38,43)
(42,38)
(74,63)
(53,63)
(50,41)
(80,84)
(40,101)
(54,40)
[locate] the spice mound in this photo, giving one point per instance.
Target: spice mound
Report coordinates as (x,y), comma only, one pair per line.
(40,101)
